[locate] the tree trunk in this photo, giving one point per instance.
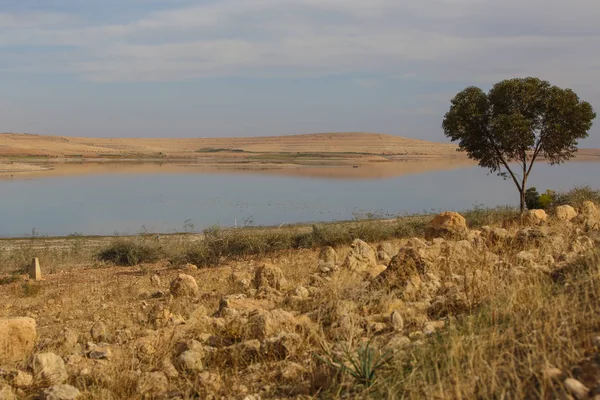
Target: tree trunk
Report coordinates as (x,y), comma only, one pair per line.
(522,205)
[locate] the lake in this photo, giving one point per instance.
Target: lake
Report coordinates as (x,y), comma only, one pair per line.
(128,199)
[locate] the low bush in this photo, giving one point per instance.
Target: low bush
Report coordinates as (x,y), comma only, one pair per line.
(130,252)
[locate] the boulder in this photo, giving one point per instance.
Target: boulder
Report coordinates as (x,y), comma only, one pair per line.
(565,213)
(184,285)
(49,369)
(17,338)
(406,264)
(535,217)
(361,257)
(269,276)
(61,392)
(447,225)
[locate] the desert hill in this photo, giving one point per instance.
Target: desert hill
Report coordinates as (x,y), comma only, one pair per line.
(15,144)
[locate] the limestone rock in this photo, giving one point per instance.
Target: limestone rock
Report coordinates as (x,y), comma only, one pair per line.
(589,209)
(22,380)
(6,393)
(155,280)
(152,384)
(99,332)
(210,382)
(535,217)
(447,225)
(263,324)
(61,392)
(49,369)
(407,263)
(184,285)
(576,388)
(190,361)
(361,257)
(17,339)
(565,213)
(396,321)
(328,255)
(281,346)
(269,276)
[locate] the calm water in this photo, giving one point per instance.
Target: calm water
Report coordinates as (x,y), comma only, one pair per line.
(131,203)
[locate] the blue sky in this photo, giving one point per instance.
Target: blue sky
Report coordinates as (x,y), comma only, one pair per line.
(181,68)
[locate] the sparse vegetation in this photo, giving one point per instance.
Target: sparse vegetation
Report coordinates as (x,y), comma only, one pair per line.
(130,252)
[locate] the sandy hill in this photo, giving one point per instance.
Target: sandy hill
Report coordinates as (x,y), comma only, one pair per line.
(13,144)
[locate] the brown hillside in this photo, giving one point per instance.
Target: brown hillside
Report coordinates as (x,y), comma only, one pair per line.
(12,144)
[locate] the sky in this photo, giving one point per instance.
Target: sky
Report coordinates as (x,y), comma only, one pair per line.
(215,68)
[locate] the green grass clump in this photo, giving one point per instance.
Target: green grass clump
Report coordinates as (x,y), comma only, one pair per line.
(480,216)
(129,253)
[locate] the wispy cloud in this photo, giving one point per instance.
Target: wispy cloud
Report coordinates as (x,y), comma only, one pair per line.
(449,40)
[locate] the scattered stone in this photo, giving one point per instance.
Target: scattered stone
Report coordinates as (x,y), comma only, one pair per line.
(498,234)
(155,280)
(535,217)
(6,393)
(210,382)
(432,326)
(61,392)
(398,342)
(552,373)
(152,384)
(22,380)
(183,286)
(396,321)
(281,346)
(242,354)
(361,257)
(169,369)
(383,257)
(576,388)
(328,255)
(49,369)
(406,264)
(17,339)
(263,324)
(35,272)
(99,332)
(301,292)
(447,225)
(190,361)
(269,276)
(589,209)
(565,213)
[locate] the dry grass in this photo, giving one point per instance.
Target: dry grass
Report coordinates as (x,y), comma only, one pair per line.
(476,324)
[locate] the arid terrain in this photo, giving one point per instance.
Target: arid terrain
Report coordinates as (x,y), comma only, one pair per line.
(486,306)
(310,144)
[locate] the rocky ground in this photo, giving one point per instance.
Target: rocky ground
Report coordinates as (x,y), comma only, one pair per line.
(505,311)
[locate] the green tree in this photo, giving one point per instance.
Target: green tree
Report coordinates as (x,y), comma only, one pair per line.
(532,198)
(517,121)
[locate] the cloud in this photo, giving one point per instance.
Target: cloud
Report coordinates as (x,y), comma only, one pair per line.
(447,40)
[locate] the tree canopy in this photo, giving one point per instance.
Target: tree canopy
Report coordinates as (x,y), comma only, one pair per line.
(516,122)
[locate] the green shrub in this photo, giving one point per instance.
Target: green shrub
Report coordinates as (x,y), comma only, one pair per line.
(129,253)
(532,198)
